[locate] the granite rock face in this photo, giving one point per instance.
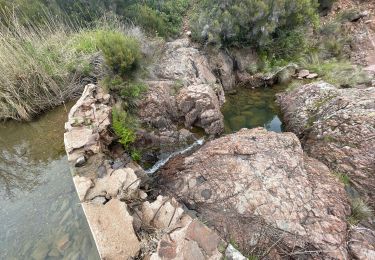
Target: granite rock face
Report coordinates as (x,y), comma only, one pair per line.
(258,188)
(182,90)
(337,127)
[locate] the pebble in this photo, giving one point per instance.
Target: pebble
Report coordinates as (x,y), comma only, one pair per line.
(80,161)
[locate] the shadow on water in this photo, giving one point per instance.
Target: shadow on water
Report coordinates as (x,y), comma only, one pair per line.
(250,108)
(40,214)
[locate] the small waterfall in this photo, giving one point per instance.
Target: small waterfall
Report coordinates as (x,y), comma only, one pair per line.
(162,162)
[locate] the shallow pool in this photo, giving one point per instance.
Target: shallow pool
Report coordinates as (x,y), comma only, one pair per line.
(40,214)
(249,108)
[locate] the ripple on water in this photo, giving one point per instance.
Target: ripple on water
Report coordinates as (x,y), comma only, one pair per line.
(40,214)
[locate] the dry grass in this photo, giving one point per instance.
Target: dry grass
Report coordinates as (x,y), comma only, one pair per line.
(34,64)
(41,66)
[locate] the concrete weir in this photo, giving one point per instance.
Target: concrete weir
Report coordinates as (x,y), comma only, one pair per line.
(125,223)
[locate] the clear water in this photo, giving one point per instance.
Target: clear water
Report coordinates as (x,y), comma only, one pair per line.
(250,108)
(40,214)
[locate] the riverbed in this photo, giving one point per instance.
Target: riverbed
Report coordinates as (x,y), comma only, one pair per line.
(40,214)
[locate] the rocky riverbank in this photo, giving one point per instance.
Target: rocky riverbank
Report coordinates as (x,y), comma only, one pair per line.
(255,191)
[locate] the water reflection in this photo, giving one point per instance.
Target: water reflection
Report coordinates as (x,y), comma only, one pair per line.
(250,108)
(39,213)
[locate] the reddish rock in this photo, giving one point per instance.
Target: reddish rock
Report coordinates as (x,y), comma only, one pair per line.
(337,127)
(258,188)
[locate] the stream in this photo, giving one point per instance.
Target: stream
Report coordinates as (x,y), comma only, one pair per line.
(40,214)
(250,108)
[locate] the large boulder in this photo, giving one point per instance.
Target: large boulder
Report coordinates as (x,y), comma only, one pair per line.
(182,90)
(337,127)
(259,190)
(182,62)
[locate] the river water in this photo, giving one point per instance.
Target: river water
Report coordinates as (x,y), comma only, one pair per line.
(40,214)
(250,108)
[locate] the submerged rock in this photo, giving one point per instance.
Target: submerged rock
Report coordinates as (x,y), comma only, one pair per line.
(258,188)
(337,127)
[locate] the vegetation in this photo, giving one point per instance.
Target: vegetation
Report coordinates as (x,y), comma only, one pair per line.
(163,18)
(124,126)
(337,72)
(47,64)
(344,178)
(265,25)
(360,211)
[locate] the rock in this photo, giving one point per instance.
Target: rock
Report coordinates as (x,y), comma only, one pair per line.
(123,182)
(200,105)
(88,121)
(82,185)
(80,161)
(63,243)
(188,33)
(181,62)
(78,138)
(40,251)
(281,75)
(233,254)
(164,212)
(244,58)
(258,188)
(362,243)
(223,67)
(191,240)
(312,76)
(336,126)
(303,74)
(112,229)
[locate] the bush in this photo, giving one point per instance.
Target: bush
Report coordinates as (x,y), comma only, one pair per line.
(123,125)
(252,22)
(163,18)
(130,91)
(121,52)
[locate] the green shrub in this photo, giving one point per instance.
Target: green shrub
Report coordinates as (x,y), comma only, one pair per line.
(251,22)
(149,19)
(130,91)
(124,126)
(121,52)
(163,18)
(136,155)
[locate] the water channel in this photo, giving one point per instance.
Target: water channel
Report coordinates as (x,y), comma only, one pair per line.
(40,214)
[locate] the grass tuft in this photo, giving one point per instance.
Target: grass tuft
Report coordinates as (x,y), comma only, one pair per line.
(360,211)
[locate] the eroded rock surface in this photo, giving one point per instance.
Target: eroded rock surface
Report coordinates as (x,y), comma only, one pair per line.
(182,90)
(337,127)
(362,243)
(258,188)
